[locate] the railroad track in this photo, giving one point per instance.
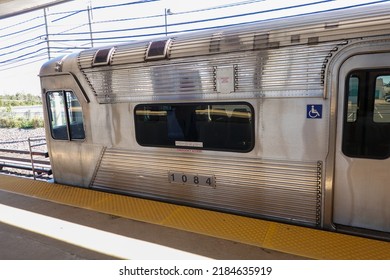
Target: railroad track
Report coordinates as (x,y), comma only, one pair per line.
(29,162)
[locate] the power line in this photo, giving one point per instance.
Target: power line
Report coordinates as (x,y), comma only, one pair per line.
(20,23)
(41,54)
(24,64)
(82,38)
(186,12)
(21,57)
(22,42)
(191,22)
(22,31)
(242,3)
(71,13)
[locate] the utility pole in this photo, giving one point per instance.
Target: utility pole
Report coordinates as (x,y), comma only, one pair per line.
(47,34)
(166,13)
(90,24)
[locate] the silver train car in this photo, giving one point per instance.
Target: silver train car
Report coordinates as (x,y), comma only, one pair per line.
(284,119)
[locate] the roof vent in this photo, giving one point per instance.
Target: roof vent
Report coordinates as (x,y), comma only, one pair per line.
(262,42)
(158,50)
(103,57)
(313,40)
(215,42)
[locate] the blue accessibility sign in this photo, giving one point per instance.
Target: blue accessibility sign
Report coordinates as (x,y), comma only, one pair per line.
(314,111)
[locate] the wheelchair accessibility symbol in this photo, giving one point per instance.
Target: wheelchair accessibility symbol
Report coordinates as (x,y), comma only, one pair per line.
(314,111)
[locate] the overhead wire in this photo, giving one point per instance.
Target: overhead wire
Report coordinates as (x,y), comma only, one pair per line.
(20,23)
(4,68)
(83,37)
(22,31)
(22,42)
(71,13)
(22,57)
(189,22)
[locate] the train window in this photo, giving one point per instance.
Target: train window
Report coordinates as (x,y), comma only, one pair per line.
(66,116)
(382,99)
(352,98)
(207,126)
(366,130)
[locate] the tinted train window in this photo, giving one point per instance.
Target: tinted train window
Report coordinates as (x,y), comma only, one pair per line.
(66,116)
(352,98)
(208,126)
(366,130)
(382,99)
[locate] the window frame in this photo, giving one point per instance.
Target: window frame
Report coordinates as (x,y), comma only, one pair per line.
(70,134)
(364,137)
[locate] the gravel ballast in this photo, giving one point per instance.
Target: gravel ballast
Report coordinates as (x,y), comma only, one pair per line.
(17,139)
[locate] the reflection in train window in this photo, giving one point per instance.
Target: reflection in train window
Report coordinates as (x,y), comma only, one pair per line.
(65,115)
(208,126)
(366,129)
(353,98)
(382,99)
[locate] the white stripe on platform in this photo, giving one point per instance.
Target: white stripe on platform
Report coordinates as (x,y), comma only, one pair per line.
(93,239)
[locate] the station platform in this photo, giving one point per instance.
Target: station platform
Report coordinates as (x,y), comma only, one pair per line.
(146,226)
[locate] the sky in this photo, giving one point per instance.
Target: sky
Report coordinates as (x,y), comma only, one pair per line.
(15,78)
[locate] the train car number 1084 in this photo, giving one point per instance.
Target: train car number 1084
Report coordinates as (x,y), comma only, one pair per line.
(191,179)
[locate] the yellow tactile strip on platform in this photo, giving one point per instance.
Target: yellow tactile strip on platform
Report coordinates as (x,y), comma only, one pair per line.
(119,205)
(324,245)
(291,239)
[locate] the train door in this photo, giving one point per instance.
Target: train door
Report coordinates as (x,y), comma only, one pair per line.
(73,158)
(362,166)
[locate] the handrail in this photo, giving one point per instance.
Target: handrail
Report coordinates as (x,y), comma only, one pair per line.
(25,152)
(31,146)
(27,160)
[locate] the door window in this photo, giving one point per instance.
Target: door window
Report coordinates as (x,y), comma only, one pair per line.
(382,99)
(352,98)
(66,116)
(366,132)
